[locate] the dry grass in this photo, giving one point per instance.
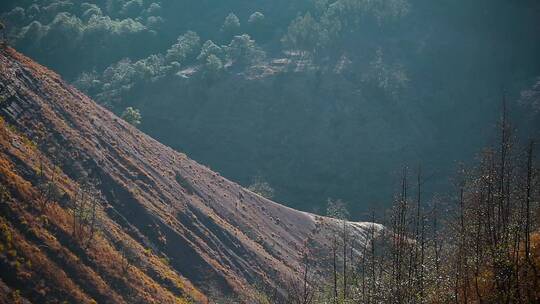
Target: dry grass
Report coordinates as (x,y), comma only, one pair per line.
(43,261)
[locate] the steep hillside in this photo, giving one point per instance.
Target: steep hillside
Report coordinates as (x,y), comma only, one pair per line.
(94,210)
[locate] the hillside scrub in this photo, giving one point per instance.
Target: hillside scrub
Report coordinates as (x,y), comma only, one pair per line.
(479,245)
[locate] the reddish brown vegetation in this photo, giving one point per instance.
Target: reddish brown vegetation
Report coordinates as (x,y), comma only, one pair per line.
(153,226)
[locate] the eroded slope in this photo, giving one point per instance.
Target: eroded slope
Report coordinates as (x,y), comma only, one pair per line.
(172,221)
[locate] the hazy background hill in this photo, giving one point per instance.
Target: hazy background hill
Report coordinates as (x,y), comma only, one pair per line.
(322,99)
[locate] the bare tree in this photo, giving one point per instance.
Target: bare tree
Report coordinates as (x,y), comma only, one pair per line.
(48,190)
(338,210)
(303,291)
(85,213)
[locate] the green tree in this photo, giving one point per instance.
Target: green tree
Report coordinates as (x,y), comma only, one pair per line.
(90,10)
(212,67)
(256,18)
(244,51)
(257,25)
(185,47)
(132,116)
(210,48)
(132,8)
(231,26)
(65,30)
(302,34)
(88,82)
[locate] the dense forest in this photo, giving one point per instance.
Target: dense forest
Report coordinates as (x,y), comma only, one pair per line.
(309,99)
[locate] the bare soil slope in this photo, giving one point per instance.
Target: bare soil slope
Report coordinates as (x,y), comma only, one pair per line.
(162,229)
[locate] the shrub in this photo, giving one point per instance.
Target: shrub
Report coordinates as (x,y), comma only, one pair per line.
(132,116)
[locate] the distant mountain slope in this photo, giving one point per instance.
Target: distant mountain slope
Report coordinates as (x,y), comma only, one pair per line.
(94,210)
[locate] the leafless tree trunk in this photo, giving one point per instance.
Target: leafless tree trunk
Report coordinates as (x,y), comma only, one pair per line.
(345,273)
(334,268)
(528,203)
